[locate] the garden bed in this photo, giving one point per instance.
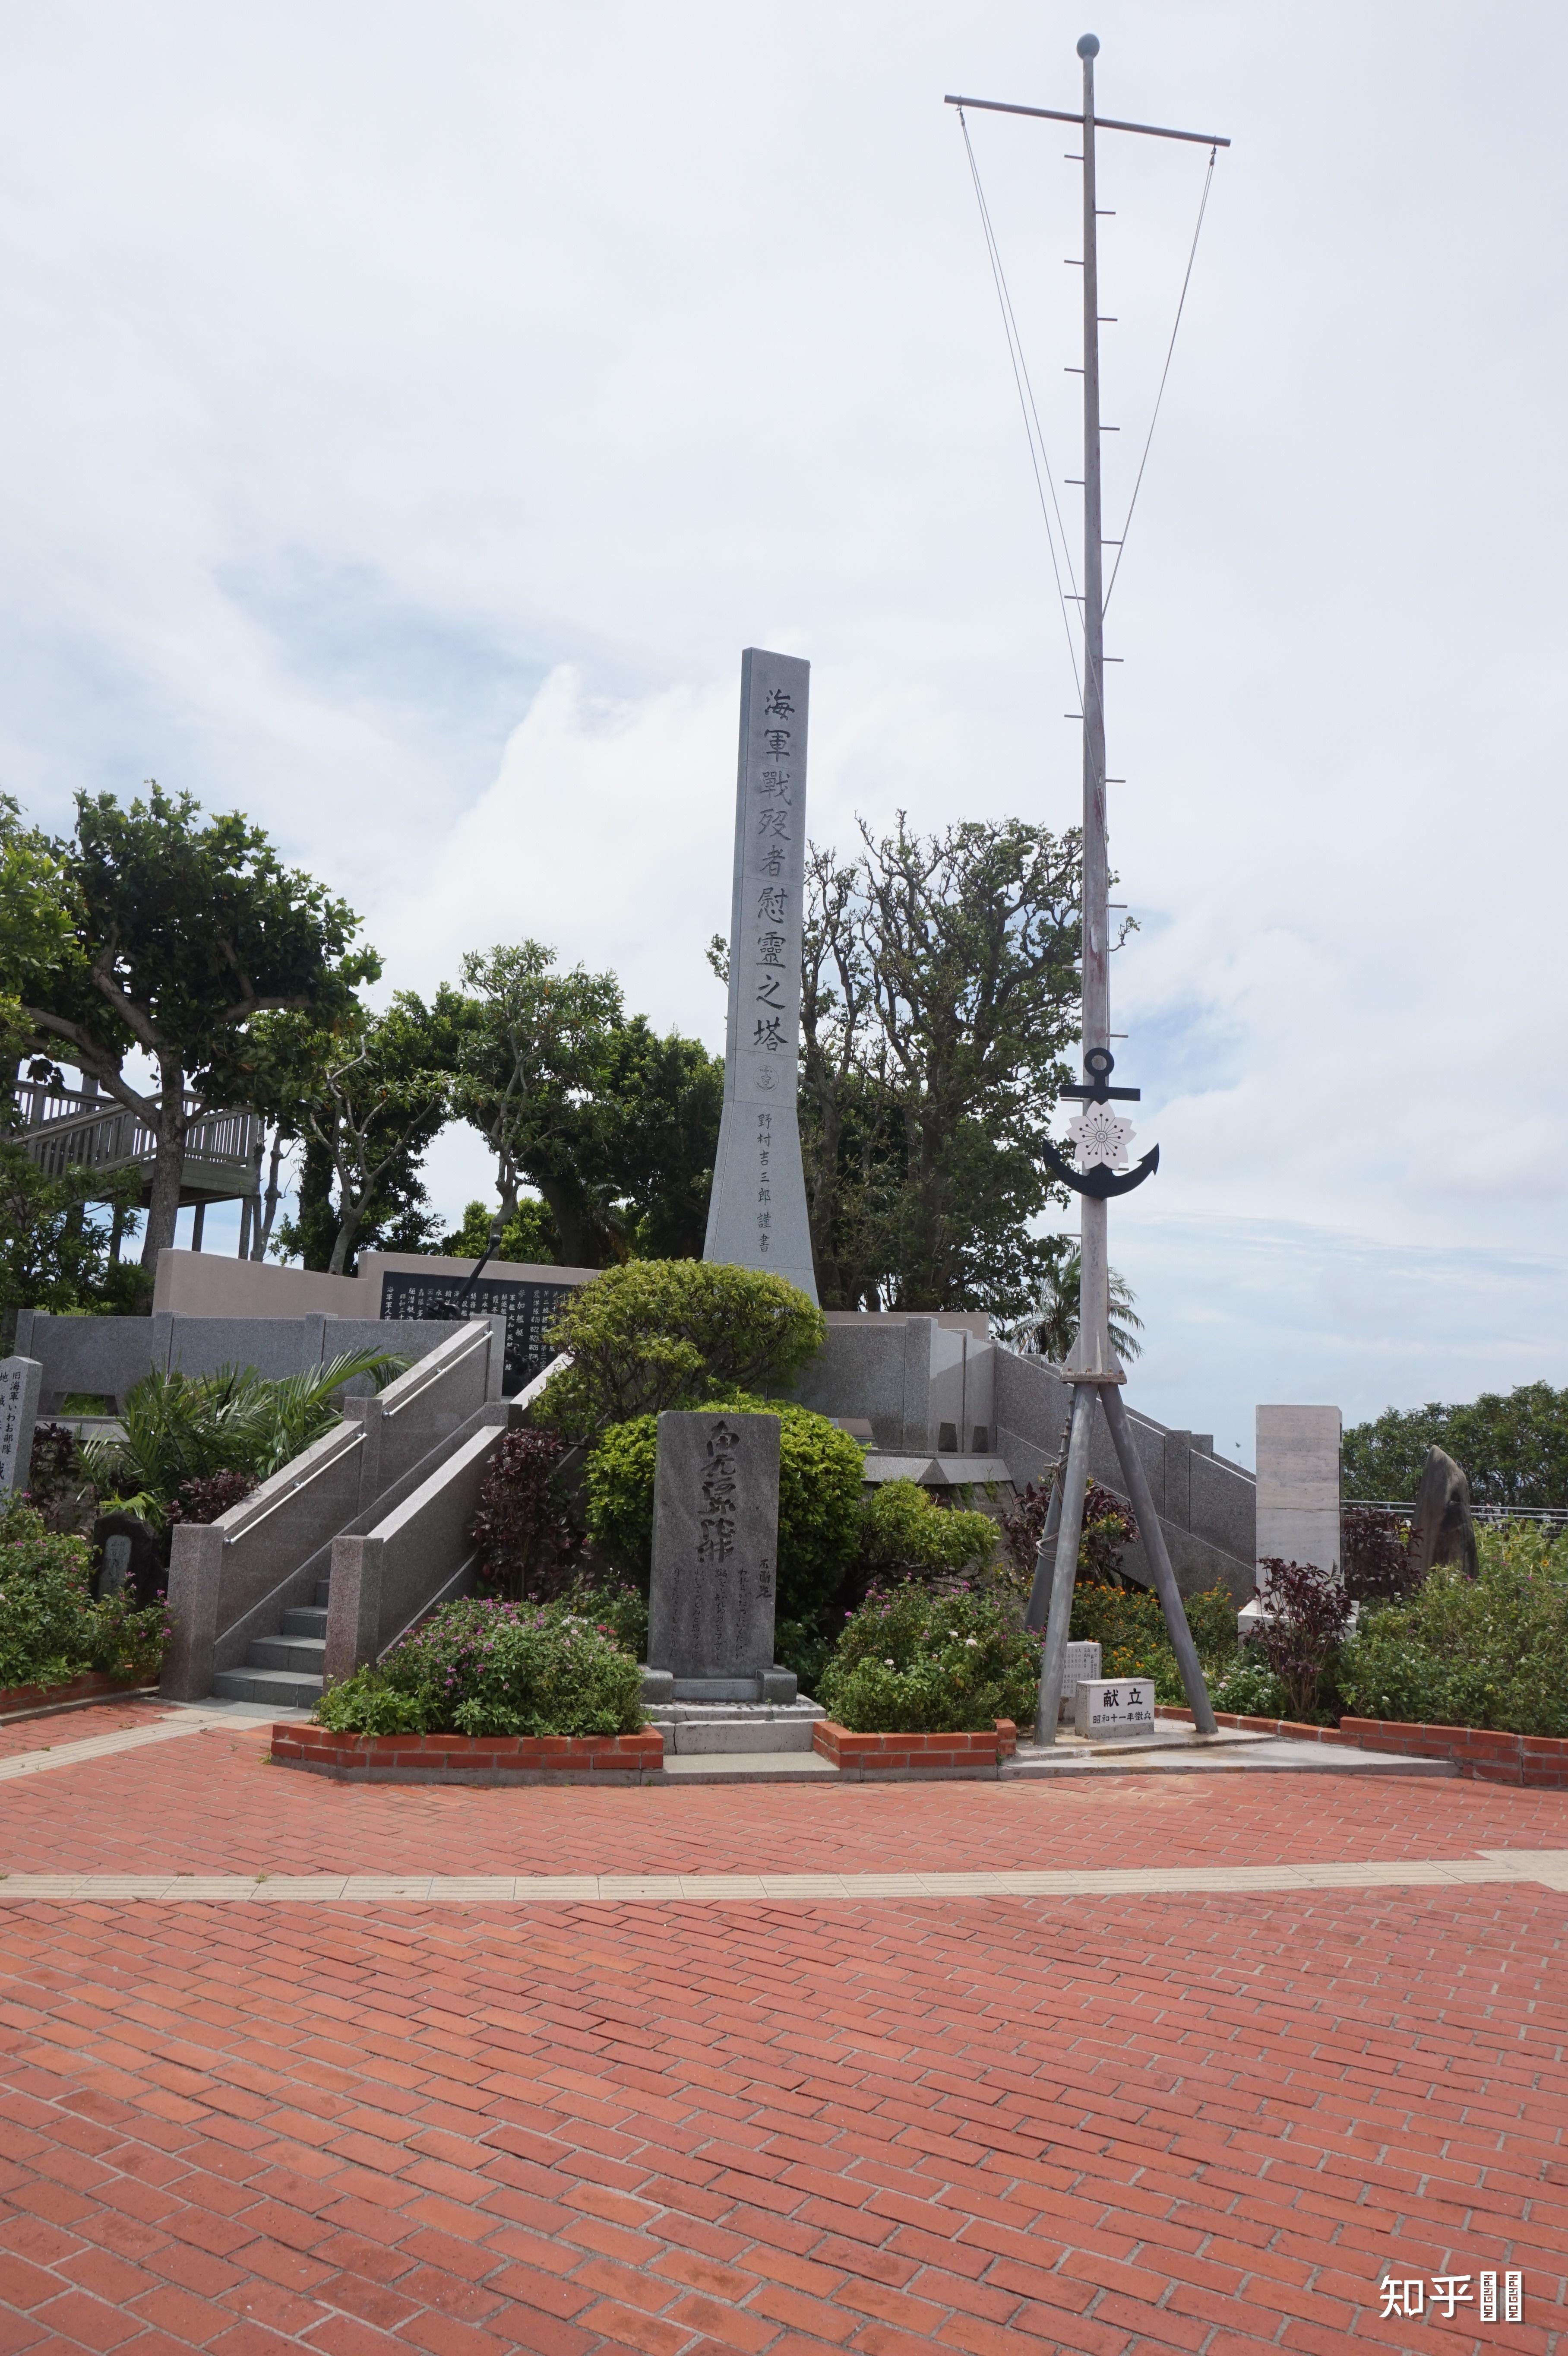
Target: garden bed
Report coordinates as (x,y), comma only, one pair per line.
(471,1758)
(93,1685)
(906,1756)
(1487,1754)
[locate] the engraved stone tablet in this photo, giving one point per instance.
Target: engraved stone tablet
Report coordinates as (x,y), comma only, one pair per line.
(1113,1706)
(1081,1660)
(756,1217)
(116,1565)
(716,1520)
(20,1382)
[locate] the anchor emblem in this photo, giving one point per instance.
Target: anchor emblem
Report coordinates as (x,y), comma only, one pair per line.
(1101,1136)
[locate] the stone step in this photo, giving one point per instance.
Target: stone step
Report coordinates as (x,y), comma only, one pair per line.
(304,1655)
(323,1591)
(305,1619)
(279,1689)
(717,1730)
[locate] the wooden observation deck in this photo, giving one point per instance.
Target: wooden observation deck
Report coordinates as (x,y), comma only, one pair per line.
(67,1130)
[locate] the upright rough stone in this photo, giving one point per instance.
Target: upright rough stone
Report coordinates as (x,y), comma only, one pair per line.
(716,1520)
(756,1215)
(20,1382)
(1442,1529)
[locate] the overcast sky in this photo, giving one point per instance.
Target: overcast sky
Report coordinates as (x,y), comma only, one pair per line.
(409,412)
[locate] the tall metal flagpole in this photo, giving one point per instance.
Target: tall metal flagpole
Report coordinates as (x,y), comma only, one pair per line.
(1091,1366)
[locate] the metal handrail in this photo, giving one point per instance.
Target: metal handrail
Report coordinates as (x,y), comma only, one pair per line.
(1553,1515)
(441,1361)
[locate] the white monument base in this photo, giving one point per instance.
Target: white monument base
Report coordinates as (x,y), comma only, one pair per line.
(1110,1709)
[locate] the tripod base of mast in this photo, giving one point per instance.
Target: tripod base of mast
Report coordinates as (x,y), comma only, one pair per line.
(1056,1566)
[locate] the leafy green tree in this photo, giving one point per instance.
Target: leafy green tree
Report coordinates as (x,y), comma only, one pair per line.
(657,1334)
(181,933)
(940,994)
(529,1236)
(53,1254)
(615,1127)
(369,1098)
(1514,1448)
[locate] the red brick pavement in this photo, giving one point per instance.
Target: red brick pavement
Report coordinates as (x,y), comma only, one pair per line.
(210,1802)
(995,2127)
(57,1726)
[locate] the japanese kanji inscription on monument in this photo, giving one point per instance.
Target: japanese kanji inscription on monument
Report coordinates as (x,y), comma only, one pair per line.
(20,1382)
(716,1511)
(757,1215)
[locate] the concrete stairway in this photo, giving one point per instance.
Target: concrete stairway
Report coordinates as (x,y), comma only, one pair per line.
(286,1669)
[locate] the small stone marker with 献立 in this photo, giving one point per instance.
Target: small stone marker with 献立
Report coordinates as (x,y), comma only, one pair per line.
(715,1560)
(1113,1707)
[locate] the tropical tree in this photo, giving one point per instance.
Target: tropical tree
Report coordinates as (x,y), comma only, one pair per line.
(1048,1327)
(181,932)
(181,1429)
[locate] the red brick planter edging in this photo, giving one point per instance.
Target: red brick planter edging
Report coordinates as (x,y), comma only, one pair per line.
(471,1758)
(93,1685)
(1537,1762)
(902,1756)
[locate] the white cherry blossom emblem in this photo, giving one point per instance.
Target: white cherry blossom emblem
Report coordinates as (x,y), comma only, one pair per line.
(1101,1136)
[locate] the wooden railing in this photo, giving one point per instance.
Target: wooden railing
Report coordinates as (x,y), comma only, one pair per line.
(67,1129)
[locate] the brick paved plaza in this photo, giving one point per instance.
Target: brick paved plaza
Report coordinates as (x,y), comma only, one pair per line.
(1209,2121)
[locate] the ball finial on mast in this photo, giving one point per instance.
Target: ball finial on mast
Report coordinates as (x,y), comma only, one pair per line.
(1089,44)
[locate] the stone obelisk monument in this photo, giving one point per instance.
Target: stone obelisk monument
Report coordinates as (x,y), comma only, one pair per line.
(757,1216)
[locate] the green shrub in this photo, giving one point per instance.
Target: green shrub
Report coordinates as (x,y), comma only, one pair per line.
(911,1662)
(668,1333)
(904,1534)
(1249,1688)
(366,1704)
(617,1610)
(480,1668)
(50,1628)
(820,1472)
(1491,1652)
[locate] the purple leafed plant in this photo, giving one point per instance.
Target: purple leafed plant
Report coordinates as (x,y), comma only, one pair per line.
(1307,1613)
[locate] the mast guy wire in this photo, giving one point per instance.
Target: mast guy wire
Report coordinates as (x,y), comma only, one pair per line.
(1159,396)
(1027,406)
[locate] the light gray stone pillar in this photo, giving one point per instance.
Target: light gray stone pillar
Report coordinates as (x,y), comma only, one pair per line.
(196,1574)
(354,1606)
(757,1217)
(1298,1485)
(20,1382)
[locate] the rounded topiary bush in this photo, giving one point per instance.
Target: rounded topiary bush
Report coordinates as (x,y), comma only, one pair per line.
(820,1474)
(675,1332)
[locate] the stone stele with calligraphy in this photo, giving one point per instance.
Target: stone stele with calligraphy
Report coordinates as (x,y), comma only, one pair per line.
(20,1379)
(757,1214)
(716,1521)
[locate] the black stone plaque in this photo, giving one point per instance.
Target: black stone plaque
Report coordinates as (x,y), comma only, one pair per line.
(529,1309)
